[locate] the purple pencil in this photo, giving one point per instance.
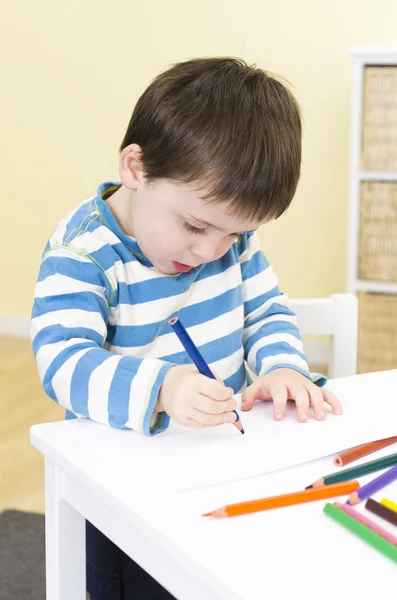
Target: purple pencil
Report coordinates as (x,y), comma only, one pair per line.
(373,486)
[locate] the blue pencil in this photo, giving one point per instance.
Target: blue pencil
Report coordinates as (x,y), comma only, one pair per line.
(197,357)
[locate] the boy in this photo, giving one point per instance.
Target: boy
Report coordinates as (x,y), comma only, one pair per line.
(211,153)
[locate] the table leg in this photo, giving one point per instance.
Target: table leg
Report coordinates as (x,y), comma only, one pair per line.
(65,541)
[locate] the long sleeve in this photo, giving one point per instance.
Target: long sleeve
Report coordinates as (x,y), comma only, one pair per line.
(271,336)
(69,328)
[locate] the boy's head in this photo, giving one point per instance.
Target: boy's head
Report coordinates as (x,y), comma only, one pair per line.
(221,133)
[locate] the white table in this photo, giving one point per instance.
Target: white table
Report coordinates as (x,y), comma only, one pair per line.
(281,554)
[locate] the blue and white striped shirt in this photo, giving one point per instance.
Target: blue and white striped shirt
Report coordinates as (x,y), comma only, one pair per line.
(100,329)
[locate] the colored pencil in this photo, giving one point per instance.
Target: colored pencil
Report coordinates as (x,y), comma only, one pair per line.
(363,532)
(381,511)
(373,486)
(243,508)
(367,522)
(197,358)
(354,472)
(344,458)
(389,504)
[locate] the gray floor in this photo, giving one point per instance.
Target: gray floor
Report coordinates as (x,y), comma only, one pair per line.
(22,556)
(22,562)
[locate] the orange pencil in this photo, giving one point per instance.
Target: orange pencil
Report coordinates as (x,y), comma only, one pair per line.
(243,508)
(344,458)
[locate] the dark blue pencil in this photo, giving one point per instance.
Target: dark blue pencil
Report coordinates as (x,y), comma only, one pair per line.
(197,357)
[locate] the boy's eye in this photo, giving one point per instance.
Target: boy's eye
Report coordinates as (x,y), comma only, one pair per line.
(199,230)
(192,228)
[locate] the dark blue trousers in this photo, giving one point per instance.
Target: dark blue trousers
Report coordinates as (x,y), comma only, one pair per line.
(112,575)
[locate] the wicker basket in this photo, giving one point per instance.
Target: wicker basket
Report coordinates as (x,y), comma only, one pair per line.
(379,140)
(378,231)
(377,332)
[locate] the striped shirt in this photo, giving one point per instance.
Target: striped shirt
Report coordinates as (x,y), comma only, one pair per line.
(100,329)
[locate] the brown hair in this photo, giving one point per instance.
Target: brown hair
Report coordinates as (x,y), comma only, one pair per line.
(230,128)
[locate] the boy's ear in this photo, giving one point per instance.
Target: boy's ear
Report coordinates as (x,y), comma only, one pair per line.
(131,166)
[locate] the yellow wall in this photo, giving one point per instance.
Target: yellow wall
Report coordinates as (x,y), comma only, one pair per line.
(72,71)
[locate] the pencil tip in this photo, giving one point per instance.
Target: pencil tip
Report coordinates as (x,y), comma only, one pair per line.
(242,431)
(238,425)
(207,514)
(308,487)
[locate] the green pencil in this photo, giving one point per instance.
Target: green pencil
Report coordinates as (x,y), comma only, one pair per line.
(354,472)
(363,532)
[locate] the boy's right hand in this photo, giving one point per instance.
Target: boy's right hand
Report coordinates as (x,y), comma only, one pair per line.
(195,400)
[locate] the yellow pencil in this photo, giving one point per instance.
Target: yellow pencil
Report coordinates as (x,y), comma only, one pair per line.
(389,504)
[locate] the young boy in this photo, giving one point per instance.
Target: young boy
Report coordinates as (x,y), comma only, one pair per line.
(211,153)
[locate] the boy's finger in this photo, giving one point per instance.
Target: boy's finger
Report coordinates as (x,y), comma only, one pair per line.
(188,422)
(301,398)
(214,389)
(280,397)
(216,376)
(333,401)
(215,407)
(253,392)
(317,402)
(208,420)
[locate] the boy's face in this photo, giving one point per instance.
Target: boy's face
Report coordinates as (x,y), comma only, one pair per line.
(177,230)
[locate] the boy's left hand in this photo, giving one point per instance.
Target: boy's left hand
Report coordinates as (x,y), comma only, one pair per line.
(283,384)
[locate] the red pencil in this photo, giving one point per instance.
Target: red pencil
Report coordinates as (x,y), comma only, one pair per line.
(344,458)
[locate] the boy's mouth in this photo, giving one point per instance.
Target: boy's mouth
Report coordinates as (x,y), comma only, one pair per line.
(181,267)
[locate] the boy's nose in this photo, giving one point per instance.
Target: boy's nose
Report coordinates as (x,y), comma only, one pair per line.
(206,252)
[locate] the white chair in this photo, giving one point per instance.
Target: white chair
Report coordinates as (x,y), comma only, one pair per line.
(337,318)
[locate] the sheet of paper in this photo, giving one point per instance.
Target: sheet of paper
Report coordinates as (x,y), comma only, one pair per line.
(184,458)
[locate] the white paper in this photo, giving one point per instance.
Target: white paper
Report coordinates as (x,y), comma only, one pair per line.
(183,458)
(191,458)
